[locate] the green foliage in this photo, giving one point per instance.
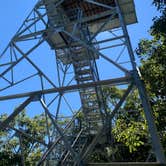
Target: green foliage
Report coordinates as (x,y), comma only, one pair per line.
(153,68)
(130,134)
(9,158)
(158,29)
(160,4)
(130,128)
(35,127)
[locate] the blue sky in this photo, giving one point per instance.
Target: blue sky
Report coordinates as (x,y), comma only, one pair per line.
(13,13)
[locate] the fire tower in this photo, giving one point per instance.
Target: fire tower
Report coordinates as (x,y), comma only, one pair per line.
(89,48)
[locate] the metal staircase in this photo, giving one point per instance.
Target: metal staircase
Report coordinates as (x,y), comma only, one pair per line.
(82,59)
(84,65)
(78,143)
(84,68)
(84,73)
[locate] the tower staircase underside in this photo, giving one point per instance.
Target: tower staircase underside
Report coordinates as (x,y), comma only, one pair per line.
(84,65)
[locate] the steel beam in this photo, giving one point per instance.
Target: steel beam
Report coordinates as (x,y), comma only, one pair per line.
(157,147)
(53,145)
(27,135)
(20,59)
(75,155)
(33,64)
(100,4)
(94,42)
(93,143)
(119,104)
(95,51)
(11,117)
(24,37)
(67,89)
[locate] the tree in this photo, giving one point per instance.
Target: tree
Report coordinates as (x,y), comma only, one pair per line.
(153,67)
(10,150)
(129,131)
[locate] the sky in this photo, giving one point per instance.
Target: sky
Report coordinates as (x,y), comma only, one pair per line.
(14,12)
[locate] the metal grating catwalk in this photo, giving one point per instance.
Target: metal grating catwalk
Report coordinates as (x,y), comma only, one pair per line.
(88,39)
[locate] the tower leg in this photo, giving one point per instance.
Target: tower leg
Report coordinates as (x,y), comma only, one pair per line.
(156,144)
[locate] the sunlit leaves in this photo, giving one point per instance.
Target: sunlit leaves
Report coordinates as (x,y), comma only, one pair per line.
(131,134)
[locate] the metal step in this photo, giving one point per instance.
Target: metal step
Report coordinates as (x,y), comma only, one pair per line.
(87,78)
(94,115)
(84,75)
(88,91)
(90,102)
(78,145)
(89,98)
(84,71)
(81,63)
(85,96)
(82,56)
(90,108)
(94,118)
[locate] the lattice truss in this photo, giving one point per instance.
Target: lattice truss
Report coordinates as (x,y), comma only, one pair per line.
(90,49)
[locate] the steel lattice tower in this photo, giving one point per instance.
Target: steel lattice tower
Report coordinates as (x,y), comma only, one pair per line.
(88,39)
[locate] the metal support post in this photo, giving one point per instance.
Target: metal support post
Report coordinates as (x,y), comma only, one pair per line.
(21,132)
(22,150)
(157,147)
(53,145)
(67,145)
